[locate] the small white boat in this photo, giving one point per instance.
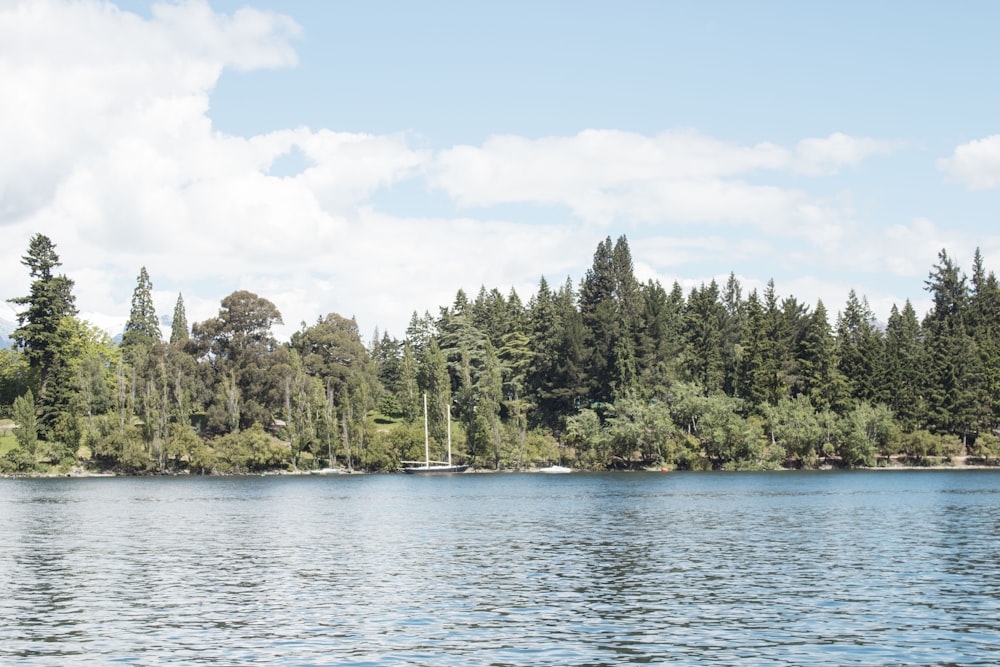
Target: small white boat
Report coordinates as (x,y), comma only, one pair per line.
(325,471)
(555,470)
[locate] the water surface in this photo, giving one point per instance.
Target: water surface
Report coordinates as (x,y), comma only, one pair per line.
(585,569)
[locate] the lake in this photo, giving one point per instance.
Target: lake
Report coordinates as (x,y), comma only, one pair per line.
(789,568)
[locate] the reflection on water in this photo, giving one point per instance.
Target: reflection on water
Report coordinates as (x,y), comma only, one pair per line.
(787,568)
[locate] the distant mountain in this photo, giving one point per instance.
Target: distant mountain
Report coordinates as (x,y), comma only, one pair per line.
(6,328)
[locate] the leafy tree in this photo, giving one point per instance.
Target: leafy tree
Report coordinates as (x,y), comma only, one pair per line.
(252,450)
(864,433)
(239,347)
(27,425)
(795,426)
(434,381)
(332,351)
(729,439)
(515,359)
(14,375)
(635,425)
(408,391)
(585,434)
(490,394)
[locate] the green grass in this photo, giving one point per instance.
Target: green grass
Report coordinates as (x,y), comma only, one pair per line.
(7,443)
(384,421)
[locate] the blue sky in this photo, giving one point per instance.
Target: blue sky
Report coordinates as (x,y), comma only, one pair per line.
(371,158)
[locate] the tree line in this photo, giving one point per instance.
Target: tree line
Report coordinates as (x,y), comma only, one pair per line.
(608,373)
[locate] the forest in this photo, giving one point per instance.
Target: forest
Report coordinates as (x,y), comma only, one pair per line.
(610,373)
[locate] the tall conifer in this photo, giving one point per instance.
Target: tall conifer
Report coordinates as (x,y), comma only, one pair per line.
(179,326)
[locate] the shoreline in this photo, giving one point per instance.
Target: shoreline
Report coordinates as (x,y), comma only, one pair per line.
(899,467)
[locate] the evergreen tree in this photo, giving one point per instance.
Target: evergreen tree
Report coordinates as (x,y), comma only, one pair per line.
(955,391)
(610,305)
(660,339)
(904,374)
(984,327)
(750,382)
(51,299)
(819,373)
(179,326)
(732,332)
(142,330)
(703,322)
(555,378)
(860,349)
(489,391)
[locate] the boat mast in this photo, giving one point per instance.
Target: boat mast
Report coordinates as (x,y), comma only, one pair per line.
(449,435)
(427,451)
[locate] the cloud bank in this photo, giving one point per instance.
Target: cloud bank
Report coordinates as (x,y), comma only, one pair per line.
(110,150)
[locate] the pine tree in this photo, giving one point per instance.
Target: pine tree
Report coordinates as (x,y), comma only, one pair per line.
(984,327)
(732,331)
(754,350)
(955,390)
(904,375)
(555,377)
(660,339)
(610,305)
(819,375)
(51,299)
(861,349)
(703,321)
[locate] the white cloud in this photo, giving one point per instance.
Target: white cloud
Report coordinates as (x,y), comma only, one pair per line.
(606,176)
(976,163)
(109,149)
(77,76)
(826,155)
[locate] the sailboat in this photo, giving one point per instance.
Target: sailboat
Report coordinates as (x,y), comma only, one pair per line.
(439,467)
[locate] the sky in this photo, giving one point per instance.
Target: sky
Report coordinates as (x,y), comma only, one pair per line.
(373,158)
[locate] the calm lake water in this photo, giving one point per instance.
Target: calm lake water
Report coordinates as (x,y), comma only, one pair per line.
(585,569)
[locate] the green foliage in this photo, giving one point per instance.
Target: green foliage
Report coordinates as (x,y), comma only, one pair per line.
(26,432)
(728,438)
(986,447)
(795,425)
(251,450)
(641,430)
(585,435)
(142,330)
(179,325)
(864,433)
(612,374)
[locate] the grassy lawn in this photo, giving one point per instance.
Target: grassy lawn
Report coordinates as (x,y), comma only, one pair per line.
(7,440)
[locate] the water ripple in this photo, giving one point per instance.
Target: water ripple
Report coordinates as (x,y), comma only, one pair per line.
(690,569)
